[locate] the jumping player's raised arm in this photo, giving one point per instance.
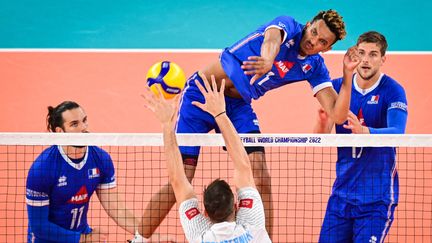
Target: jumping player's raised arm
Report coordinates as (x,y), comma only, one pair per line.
(215,106)
(337,105)
(165,112)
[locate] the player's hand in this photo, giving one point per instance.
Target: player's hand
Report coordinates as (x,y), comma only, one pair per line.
(165,110)
(354,124)
(214,99)
(97,235)
(351,59)
(257,66)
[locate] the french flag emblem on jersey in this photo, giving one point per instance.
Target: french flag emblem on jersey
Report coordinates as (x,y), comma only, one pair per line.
(93,173)
(374,99)
(306,68)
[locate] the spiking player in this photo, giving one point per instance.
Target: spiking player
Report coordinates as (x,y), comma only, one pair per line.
(280,52)
(366,190)
(63,178)
(225,223)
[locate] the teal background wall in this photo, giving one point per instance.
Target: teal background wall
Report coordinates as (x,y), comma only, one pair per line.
(197,24)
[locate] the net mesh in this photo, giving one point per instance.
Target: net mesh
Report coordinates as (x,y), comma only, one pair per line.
(302,169)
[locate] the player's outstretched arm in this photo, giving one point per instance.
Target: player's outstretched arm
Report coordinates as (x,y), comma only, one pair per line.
(215,106)
(260,65)
(165,112)
(337,106)
(116,208)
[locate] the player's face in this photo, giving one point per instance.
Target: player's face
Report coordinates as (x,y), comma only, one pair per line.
(371,60)
(317,38)
(74,120)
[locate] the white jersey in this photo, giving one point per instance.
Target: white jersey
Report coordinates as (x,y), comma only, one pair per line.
(248,227)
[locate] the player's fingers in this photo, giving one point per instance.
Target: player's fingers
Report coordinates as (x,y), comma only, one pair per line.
(254,58)
(249,72)
(222,88)
(200,87)
(214,85)
(160,93)
(206,84)
(254,78)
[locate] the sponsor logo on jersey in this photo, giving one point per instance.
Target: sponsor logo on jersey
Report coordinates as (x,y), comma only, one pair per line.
(93,173)
(283,67)
(290,43)
(256,122)
(306,67)
(398,105)
(360,117)
(246,203)
(191,213)
(32,193)
(62,181)
(80,197)
(373,100)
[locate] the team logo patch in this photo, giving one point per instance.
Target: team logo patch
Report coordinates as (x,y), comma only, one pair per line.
(62,181)
(80,197)
(191,213)
(283,67)
(306,68)
(246,203)
(373,100)
(93,173)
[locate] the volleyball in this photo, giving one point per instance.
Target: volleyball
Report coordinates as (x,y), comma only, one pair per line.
(169,76)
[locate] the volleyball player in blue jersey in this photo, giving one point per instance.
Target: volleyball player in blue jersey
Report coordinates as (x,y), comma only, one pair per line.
(62,180)
(365,193)
(280,52)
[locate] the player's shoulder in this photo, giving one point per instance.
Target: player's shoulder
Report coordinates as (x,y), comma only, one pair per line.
(98,152)
(46,161)
(337,83)
(391,83)
(286,22)
(47,157)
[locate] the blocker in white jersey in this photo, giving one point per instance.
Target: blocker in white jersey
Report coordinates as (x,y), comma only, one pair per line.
(249,225)
(222,223)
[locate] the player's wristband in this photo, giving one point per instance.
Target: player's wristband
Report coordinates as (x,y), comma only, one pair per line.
(219,114)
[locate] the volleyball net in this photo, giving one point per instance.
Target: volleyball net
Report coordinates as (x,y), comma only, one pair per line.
(302,169)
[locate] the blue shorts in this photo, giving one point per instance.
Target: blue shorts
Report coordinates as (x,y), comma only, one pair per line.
(192,119)
(345,222)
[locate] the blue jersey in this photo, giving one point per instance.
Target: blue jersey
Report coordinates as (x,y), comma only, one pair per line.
(288,66)
(368,175)
(66,187)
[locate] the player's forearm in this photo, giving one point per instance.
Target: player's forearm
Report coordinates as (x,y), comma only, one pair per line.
(342,103)
(115,207)
(182,188)
(271,44)
(235,148)
(123,217)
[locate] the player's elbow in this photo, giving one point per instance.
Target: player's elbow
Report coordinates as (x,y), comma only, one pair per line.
(339,118)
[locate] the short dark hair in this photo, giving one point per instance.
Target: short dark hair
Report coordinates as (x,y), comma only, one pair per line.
(218,201)
(334,22)
(55,114)
(374,37)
